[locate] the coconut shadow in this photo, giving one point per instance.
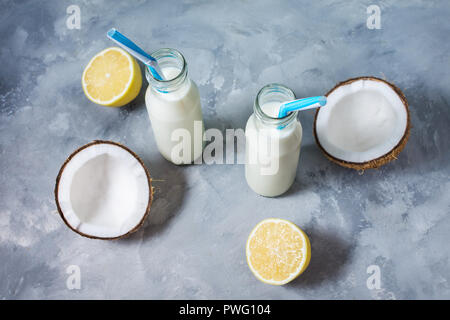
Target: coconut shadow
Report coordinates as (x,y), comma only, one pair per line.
(169,184)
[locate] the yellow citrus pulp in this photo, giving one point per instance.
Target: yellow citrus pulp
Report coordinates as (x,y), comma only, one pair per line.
(112,78)
(277,251)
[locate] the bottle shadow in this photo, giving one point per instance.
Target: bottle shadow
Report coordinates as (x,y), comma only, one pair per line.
(169,185)
(315,171)
(306,172)
(329,255)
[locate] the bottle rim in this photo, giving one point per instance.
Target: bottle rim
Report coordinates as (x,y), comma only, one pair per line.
(160,55)
(274,88)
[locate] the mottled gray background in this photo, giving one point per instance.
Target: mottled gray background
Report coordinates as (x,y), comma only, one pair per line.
(192,246)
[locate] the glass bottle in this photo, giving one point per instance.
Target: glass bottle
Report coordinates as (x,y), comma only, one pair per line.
(272,144)
(174,109)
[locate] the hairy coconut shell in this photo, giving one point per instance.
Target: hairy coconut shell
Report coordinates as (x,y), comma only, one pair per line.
(149,180)
(378,162)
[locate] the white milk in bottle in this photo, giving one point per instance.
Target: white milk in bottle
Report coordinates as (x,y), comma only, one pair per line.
(174,109)
(272,144)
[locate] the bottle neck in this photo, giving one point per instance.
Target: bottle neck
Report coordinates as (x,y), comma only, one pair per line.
(273,93)
(174,68)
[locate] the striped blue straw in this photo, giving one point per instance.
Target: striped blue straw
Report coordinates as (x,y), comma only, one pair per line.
(301,104)
(137,52)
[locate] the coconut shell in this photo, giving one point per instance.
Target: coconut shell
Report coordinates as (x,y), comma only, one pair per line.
(378,162)
(150,199)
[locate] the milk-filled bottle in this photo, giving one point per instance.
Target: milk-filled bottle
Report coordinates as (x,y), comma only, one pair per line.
(174,109)
(272,144)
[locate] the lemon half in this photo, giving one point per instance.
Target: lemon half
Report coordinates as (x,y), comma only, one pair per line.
(277,251)
(112,78)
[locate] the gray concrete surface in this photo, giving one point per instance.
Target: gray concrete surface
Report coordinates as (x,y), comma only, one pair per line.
(192,246)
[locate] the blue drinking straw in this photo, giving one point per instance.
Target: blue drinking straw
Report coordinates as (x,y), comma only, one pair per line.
(301,104)
(137,52)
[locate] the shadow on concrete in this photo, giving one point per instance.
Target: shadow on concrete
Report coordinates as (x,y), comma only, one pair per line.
(329,255)
(169,186)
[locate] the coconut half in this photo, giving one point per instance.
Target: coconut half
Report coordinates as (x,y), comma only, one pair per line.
(364,124)
(103,191)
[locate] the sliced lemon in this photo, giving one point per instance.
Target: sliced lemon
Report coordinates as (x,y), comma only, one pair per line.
(112,78)
(277,251)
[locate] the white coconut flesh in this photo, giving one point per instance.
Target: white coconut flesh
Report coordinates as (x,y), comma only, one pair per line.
(103,191)
(362,121)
